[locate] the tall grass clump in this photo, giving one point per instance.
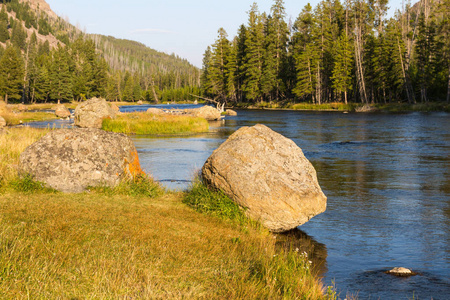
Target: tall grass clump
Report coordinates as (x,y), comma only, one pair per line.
(146,123)
(13,142)
(216,203)
(139,186)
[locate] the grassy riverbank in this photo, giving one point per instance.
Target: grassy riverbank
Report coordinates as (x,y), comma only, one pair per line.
(391,107)
(136,241)
(146,123)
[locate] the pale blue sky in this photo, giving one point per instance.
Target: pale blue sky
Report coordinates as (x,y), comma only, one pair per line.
(185,28)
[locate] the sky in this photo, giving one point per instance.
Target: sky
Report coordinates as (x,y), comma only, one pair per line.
(183,27)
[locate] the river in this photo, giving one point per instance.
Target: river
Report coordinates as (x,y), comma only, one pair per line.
(387,179)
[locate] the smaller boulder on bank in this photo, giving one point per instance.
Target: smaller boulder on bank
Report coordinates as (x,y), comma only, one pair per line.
(115,107)
(155,111)
(90,114)
(230,112)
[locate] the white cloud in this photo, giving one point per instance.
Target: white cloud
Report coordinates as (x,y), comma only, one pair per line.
(151,31)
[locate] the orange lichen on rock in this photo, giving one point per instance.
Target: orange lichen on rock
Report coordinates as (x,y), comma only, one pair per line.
(133,167)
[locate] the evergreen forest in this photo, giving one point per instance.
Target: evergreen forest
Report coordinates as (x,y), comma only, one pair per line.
(337,52)
(44,58)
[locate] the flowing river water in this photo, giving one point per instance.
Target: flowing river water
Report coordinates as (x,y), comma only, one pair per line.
(387,179)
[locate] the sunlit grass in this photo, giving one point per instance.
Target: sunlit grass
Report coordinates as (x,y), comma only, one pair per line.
(97,245)
(13,142)
(146,123)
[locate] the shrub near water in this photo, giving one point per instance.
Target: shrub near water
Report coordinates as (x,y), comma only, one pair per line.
(145,123)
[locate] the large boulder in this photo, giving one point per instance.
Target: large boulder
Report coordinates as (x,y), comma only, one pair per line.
(70,160)
(91,113)
(268,175)
(61,111)
(207,112)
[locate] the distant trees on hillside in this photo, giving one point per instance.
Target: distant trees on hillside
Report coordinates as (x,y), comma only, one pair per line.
(335,52)
(82,66)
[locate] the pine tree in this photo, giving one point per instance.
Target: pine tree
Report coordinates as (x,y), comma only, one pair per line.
(11,74)
(217,73)
(18,36)
(306,54)
(343,62)
(269,76)
(241,51)
(254,55)
(4,33)
(231,72)
(204,78)
(60,75)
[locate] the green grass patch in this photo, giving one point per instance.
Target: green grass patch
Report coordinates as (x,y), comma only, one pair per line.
(26,184)
(420,107)
(140,186)
(25,117)
(146,123)
(215,203)
(325,106)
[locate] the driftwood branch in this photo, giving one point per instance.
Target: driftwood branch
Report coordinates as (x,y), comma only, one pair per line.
(220,105)
(206,99)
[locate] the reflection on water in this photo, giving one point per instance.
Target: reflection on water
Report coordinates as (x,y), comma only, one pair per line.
(301,242)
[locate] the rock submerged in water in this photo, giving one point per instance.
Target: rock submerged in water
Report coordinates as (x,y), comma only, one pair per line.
(268,175)
(69,160)
(90,114)
(401,271)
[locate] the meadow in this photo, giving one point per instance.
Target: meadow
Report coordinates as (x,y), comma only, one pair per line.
(137,241)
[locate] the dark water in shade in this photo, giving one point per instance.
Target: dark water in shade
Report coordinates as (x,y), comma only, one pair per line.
(387,179)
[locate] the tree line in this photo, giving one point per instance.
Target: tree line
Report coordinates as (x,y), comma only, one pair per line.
(43,59)
(336,52)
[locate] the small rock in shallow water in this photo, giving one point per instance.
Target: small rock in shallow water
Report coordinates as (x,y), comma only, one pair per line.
(400,271)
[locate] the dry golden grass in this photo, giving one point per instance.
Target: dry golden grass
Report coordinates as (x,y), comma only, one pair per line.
(12,142)
(93,246)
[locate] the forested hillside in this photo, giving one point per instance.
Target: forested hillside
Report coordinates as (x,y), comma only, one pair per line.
(335,52)
(45,58)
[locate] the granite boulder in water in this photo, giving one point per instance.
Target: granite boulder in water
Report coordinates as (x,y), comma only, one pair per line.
(61,111)
(69,160)
(207,112)
(268,175)
(91,113)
